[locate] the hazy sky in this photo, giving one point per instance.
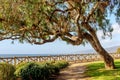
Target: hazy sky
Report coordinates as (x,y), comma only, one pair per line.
(58,46)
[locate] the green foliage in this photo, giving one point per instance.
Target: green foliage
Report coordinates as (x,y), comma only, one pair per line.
(32,71)
(53,68)
(37,70)
(41,21)
(118,51)
(20,65)
(7,71)
(96,71)
(61,64)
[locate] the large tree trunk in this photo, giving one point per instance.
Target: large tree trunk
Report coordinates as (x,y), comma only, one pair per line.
(108,60)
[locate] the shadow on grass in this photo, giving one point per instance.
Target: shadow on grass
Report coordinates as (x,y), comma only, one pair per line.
(98,72)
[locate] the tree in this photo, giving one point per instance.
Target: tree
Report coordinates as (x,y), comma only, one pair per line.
(73,21)
(118,51)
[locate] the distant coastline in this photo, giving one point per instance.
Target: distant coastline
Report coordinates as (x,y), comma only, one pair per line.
(23,55)
(26,55)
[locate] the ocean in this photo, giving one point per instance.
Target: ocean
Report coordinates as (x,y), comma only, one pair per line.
(22,55)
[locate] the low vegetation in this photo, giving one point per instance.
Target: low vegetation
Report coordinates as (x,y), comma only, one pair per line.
(118,51)
(45,70)
(7,71)
(96,71)
(42,71)
(31,70)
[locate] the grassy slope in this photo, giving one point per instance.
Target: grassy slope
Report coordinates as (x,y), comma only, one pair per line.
(96,71)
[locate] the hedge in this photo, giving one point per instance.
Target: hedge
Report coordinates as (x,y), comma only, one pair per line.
(41,71)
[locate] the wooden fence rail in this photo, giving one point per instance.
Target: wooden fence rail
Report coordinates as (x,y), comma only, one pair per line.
(69,58)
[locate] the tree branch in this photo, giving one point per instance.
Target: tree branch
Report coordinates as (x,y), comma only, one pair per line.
(89,38)
(74,40)
(42,42)
(78,25)
(97,5)
(92,11)
(62,11)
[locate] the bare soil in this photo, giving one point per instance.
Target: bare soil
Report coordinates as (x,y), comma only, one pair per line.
(75,71)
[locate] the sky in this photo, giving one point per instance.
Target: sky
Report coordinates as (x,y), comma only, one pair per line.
(58,46)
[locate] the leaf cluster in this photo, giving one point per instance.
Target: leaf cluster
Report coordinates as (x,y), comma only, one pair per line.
(42,21)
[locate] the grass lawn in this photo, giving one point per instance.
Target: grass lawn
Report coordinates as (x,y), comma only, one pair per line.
(96,71)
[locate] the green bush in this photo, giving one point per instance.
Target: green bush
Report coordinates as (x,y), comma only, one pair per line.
(34,71)
(118,51)
(7,71)
(20,65)
(41,71)
(61,64)
(51,67)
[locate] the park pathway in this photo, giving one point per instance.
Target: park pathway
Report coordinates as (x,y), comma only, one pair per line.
(74,72)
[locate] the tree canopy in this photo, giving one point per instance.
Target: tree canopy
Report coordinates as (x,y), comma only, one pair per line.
(41,21)
(73,21)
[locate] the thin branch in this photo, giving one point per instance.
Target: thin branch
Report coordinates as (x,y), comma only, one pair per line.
(44,41)
(97,5)
(59,10)
(92,11)
(78,26)
(11,37)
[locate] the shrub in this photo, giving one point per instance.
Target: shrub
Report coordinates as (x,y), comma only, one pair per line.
(51,67)
(20,64)
(34,71)
(41,71)
(7,71)
(118,51)
(61,64)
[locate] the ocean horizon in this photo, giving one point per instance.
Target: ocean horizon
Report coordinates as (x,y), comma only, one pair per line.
(23,55)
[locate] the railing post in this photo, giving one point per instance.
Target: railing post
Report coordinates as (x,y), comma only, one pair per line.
(15,61)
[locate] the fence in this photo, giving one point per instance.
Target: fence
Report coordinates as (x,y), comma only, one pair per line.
(69,58)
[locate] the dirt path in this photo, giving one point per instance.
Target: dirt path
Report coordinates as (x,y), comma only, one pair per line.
(73,72)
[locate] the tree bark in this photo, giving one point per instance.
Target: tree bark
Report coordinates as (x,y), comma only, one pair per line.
(108,60)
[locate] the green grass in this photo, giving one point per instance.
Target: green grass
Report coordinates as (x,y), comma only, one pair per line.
(96,71)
